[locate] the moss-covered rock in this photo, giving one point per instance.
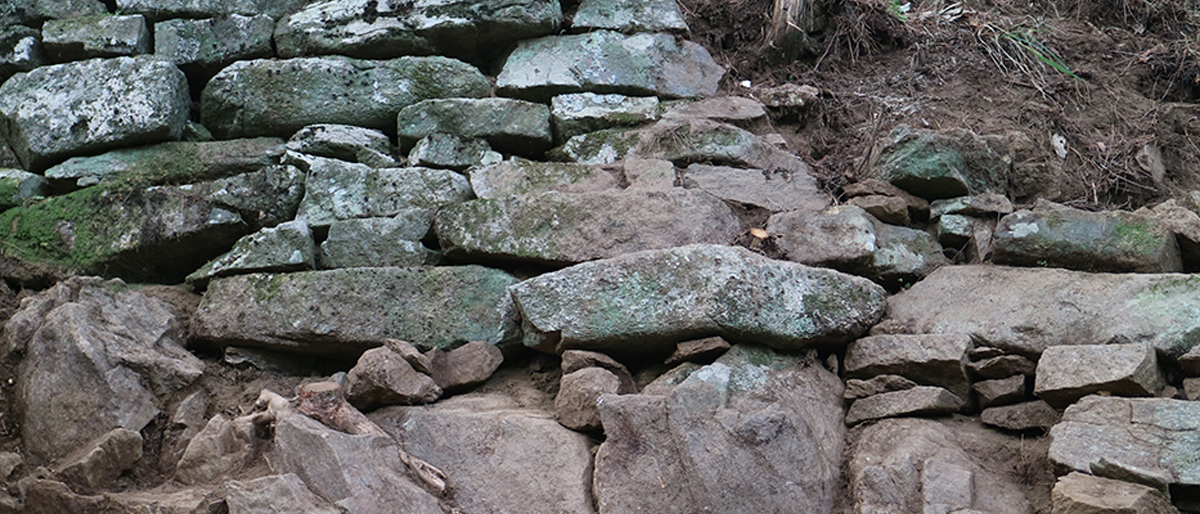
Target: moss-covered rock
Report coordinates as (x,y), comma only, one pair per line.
(508,125)
(1088,241)
(934,165)
(98,35)
(18,185)
(518,176)
(171,163)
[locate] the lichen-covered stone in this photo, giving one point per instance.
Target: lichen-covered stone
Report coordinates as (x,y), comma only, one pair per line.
(1089,241)
(904,255)
(279,97)
(508,125)
(649,301)
(629,17)
(202,47)
(263,198)
(20,49)
(286,247)
(55,112)
(449,151)
(518,176)
(393,241)
(34,12)
(840,237)
(158,10)
(291,312)
(99,35)
(580,113)
(171,163)
(18,185)
(773,190)
(935,165)
(559,228)
(609,62)
(344,142)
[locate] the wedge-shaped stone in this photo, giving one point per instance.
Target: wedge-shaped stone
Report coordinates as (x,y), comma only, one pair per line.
(649,301)
(1147,440)
(917,401)
(338,190)
(1026,310)
(263,198)
(55,112)
(559,228)
(429,307)
(510,126)
(1036,414)
(1088,241)
(279,97)
(725,440)
(929,359)
(519,176)
(1067,373)
(172,163)
(286,247)
(345,142)
(383,377)
(372,29)
(609,62)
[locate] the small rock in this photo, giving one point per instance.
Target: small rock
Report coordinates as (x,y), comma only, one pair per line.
(97,465)
(984,352)
(630,17)
(20,50)
(888,209)
(981,205)
(575,406)
(916,401)
(220,450)
(858,388)
(1191,388)
(1000,391)
(649,174)
(841,237)
(344,142)
(918,208)
(410,353)
(1067,373)
(1190,362)
(1185,223)
(9,462)
(1022,416)
(464,367)
(580,113)
(18,185)
(509,125)
(100,35)
(1002,366)
(1079,493)
(393,241)
(699,350)
(450,151)
(904,256)
(955,230)
(929,359)
(739,111)
(575,360)
(383,377)
(786,96)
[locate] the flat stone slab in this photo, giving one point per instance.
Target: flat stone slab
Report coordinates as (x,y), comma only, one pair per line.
(286,247)
(1067,373)
(629,17)
(1036,414)
(1087,494)
(579,113)
(775,191)
(338,190)
(278,97)
(429,307)
(174,162)
(202,47)
(609,62)
(508,125)
(55,112)
(1148,440)
(158,10)
(916,401)
(518,176)
(1026,310)
(649,301)
(1089,241)
(98,35)
(559,228)
(929,359)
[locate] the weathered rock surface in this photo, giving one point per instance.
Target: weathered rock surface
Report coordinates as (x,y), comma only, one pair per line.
(1021,416)
(20,49)
(1151,440)
(915,401)
(51,497)
(949,164)
(1067,373)
(18,185)
(201,47)
(510,126)
(1000,391)
(172,163)
(264,198)
(725,440)
(772,190)
(1028,310)
(337,190)
(393,241)
(383,377)
(986,204)
(629,17)
(698,350)
(55,112)
(608,62)
(904,255)
(97,356)
(36,11)
(99,463)
(888,209)
(648,301)
(344,142)
(579,113)
(167,9)
(221,449)
(279,97)
(928,359)
(286,247)
(1080,493)
(841,237)
(381,30)
(499,457)
(578,393)
(918,208)
(518,176)
(1002,366)
(100,35)
(559,228)
(1090,241)
(441,150)
(275,493)
(858,388)
(464,367)
(429,307)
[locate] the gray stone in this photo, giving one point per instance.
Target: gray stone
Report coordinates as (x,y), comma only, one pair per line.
(1022,416)
(1003,366)
(97,465)
(362,473)
(1089,241)
(264,198)
(383,377)
(508,125)
(707,349)
(649,174)
(575,360)
(1080,493)
(735,110)
(841,237)
(158,10)
(275,493)
(858,388)
(344,142)
(774,191)
(787,98)
(1067,373)
(1191,388)
(97,356)
(429,307)
(55,112)
(904,256)
(464,367)
(1185,224)
(986,204)
(368,242)
(1026,310)
(578,391)
(50,497)
(337,190)
(956,230)
(220,450)
(948,164)
(286,247)
(20,49)
(1149,440)
(888,209)
(928,359)
(662,385)
(579,113)
(440,150)
(280,97)
(410,353)
(560,228)
(502,457)
(16,186)
(600,147)
(33,12)
(201,47)
(9,462)
(608,62)
(1001,391)
(380,30)
(629,17)
(649,301)
(518,176)
(99,35)
(171,163)
(1190,362)
(918,208)
(917,401)
(269,361)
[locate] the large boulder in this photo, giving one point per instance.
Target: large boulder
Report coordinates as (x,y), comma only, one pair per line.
(175,162)
(371,29)
(1147,440)
(499,457)
(726,440)
(510,126)
(278,97)
(96,356)
(609,62)
(1089,241)
(338,190)
(1026,310)
(55,112)
(649,301)
(562,228)
(429,307)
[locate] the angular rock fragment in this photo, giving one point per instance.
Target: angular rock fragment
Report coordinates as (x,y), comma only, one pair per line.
(464,367)
(337,190)
(17,185)
(518,176)
(440,150)
(508,125)
(1021,416)
(100,35)
(344,142)
(1003,366)
(1088,241)
(264,198)
(579,113)
(888,209)
(986,204)
(858,388)
(1000,391)
(928,359)
(171,163)
(201,47)
(629,17)
(649,301)
(774,191)
(1067,373)
(706,349)
(918,208)
(735,110)
(841,237)
(20,50)
(948,164)
(918,401)
(275,493)
(1086,494)
(219,451)
(285,247)
(1185,224)
(578,391)
(383,377)
(98,464)
(393,241)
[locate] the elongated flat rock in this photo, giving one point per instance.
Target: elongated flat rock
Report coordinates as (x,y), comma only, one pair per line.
(1088,241)
(338,190)
(649,301)
(560,228)
(1026,310)
(344,312)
